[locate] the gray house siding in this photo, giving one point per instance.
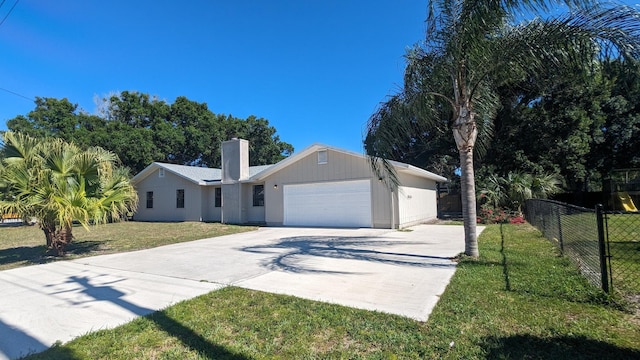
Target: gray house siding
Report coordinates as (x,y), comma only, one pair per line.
(320,186)
(340,166)
(164,199)
(211,212)
(253,214)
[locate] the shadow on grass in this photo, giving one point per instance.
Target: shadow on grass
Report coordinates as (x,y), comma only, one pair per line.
(33,255)
(193,340)
(562,347)
(105,292)
(85,247)
(27,254)
(505,268)
(527,280)
(297,250)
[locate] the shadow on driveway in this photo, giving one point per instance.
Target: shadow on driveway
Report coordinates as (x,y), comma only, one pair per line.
(297,250)
(15,343)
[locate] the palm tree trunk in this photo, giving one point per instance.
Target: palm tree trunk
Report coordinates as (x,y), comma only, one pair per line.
(67,235)
(57,239)
(465,133)
(49,233)
(468,187)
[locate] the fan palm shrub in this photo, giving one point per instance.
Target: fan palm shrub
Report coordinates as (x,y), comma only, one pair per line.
(57,183)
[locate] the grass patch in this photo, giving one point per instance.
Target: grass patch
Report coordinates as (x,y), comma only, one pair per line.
(518,300)
(521,300)
(25,245)
(624,248)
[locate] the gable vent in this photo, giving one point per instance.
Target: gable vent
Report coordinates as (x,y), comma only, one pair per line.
(322,156)
(161,172)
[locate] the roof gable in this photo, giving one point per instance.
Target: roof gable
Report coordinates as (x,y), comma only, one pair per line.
(194,174)
(398,166)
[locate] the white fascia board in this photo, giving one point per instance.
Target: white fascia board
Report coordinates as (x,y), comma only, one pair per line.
(414,170)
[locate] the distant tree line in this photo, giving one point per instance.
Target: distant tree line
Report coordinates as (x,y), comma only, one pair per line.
(579,125)
(141,129)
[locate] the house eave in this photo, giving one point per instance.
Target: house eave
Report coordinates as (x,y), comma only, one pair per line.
(416,171)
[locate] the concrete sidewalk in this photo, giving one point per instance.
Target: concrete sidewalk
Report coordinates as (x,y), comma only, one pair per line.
(399,272)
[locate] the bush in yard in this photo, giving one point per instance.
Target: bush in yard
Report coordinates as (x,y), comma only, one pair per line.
(58,183)
(495,215)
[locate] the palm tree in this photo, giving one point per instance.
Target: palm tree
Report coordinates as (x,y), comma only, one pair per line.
(58,183)
(471,47)
(512,191)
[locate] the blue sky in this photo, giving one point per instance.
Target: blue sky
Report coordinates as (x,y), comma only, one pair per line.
(316,69)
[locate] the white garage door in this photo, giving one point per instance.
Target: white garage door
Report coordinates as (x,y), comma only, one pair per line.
(340,204)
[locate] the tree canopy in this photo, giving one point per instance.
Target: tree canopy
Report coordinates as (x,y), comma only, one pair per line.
(472,48)
(141,129)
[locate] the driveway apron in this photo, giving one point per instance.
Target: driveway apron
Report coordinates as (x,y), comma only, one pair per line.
(398,272)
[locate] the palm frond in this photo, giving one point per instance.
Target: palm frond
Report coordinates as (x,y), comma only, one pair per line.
(18,147)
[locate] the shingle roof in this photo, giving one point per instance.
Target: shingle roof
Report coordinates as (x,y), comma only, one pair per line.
(194,173)
(198,175)
(255,170)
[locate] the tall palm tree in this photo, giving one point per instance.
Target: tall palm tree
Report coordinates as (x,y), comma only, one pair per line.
(471,46)
(58,183)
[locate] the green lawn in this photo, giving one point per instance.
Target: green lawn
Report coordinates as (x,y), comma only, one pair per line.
(580,240)
(624,248)
(520,300)
(25,245)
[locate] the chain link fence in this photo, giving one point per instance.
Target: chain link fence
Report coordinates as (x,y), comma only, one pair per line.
(623,250)
(605,245)
(573,229)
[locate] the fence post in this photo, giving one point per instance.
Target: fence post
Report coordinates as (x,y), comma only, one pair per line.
(560,230)
(602,247)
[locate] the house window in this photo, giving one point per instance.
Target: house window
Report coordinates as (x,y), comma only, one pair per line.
(258,195)
(218,201)
(180,198)
(161,172)
(322,157)
(149,199)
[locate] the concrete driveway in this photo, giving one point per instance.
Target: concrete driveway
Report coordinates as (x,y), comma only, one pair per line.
(399,272)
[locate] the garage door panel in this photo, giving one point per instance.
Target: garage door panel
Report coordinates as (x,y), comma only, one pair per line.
(343,204)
